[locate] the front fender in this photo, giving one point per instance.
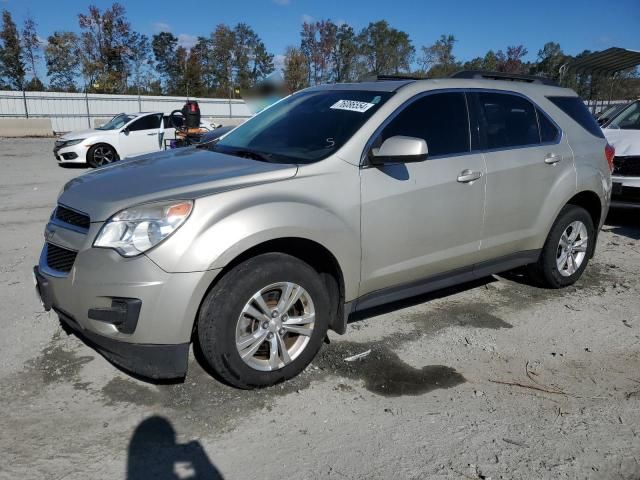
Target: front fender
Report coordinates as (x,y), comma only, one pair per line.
(214,237)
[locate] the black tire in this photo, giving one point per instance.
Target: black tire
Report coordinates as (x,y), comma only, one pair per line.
(546,272)
(101,154)
(223,305)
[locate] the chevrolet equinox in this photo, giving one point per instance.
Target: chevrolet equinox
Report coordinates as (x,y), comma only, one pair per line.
(336,199)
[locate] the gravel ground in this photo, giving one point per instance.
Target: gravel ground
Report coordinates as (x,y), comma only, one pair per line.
(495,379)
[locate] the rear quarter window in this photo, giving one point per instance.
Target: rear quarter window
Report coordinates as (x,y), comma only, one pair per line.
(576,109)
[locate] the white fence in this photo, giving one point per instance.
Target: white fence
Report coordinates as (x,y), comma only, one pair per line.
(73,111)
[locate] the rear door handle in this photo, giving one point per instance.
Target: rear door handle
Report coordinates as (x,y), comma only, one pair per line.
(152,134)
(468,176)
(552,158)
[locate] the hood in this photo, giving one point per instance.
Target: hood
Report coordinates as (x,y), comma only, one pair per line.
(183,173)
(626,142)
(85,133)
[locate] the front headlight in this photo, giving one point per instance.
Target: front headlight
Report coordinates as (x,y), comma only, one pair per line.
(69,143)
(135,230)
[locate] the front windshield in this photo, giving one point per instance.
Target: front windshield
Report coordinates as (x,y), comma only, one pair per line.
(116,122)
(303,128)
(628,119)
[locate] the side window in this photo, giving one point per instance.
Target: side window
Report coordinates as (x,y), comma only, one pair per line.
(509,120)
(441,119)
(575,108)
(146,123)
(548,131)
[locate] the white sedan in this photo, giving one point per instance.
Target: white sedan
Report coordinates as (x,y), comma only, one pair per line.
(623,132)
(125,135)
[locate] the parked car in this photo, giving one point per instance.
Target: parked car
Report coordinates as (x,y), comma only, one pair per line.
(623,132)
(125,135)
(608,113)
(336,199)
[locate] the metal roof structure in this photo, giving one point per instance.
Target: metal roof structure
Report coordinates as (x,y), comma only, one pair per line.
(606,62)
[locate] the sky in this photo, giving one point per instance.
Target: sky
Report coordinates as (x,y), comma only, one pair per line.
(477,25)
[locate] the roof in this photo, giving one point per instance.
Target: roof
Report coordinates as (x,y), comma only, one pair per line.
(608,61)
(383,86)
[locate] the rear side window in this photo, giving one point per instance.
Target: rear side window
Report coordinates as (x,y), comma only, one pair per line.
(146,123)
(509,120)
(548,131)
(576,109)
(441,119)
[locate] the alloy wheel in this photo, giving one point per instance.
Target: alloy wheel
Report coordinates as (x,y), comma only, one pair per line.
(572,248)
(103,155)
(275,326)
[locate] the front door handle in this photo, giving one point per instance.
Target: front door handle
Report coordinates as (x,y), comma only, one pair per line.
(468,176)
(152,134)
(552,158)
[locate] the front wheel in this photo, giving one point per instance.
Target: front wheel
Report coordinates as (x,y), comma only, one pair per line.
(264,321)
(101,154)
(567,250)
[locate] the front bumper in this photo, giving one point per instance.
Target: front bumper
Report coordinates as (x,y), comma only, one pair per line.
(72,154)
(625,192)
(156,345)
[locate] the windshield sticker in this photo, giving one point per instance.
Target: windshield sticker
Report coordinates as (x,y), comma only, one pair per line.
(352,106)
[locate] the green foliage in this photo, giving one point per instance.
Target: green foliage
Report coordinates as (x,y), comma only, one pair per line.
(62,57)
(12,65)
(296,74)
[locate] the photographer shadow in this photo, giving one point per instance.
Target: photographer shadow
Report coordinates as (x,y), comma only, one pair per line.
(154,453)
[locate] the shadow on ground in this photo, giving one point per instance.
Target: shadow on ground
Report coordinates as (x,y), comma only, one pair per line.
(155,453)
(625,222)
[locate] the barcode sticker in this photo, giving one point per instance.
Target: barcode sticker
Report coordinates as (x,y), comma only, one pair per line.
(352,106)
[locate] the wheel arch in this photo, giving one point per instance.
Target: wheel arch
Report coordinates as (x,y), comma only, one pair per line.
(103,142)
(590,201)
(319,257)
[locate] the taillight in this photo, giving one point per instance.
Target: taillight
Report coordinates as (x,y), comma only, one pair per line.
(609,154)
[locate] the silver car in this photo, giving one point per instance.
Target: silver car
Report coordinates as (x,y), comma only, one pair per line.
(336,199)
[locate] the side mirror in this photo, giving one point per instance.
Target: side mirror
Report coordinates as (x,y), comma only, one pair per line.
(399,149)
(125,131)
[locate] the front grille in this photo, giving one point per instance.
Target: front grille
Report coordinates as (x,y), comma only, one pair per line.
(72,217)
(626,166)
(59,258)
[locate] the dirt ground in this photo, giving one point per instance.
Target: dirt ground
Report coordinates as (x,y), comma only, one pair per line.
(495,379)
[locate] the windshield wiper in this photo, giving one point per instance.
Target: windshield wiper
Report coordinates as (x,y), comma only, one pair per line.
(247,153)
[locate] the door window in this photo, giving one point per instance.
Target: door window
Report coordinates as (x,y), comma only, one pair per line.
(146,123)
(441,119)
(508,120)
(548,131)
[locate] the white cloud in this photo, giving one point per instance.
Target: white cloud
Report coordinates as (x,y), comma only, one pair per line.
(282,2)
(161,27)
(307,18)
(187,41)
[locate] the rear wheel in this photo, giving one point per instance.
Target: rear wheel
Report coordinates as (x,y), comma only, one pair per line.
(264,321)
(101,154)
(567,250)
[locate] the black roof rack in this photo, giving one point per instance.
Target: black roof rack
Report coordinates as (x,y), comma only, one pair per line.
(389,78)
(514,77)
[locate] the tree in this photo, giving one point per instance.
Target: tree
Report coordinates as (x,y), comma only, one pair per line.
(223,44)
(251,61)
(31,46)
(344,54)
(105,39)
(438,59)
(385,50)
(202,52)
(295,70)
(62,56)
(11,56)
(138,56)
(550,59)
(165,45)
(511,62)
